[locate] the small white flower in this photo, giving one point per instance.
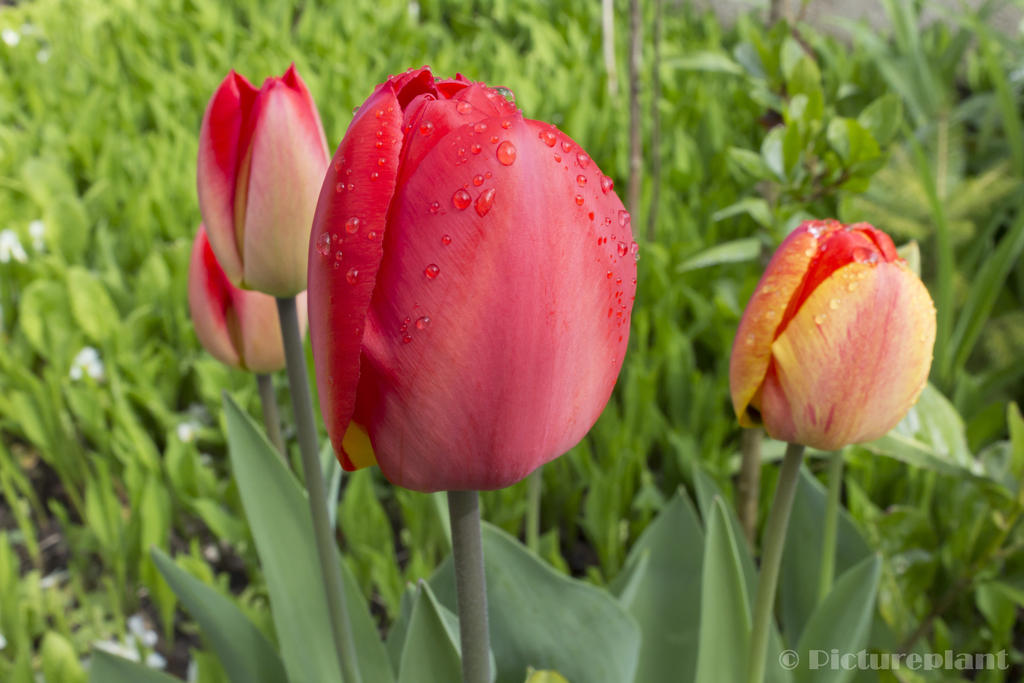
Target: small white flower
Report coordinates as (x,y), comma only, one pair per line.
(187,431)
(154,660)
(10,36)
(414,10)
(37,230)
(137,625)
(43,56)
(3,641)
(52,580)
(10,247)
(87,362)
(124,649)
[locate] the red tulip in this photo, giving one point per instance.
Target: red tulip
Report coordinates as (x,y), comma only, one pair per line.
(262,156)
(471,277)
(836,342)
(238,327)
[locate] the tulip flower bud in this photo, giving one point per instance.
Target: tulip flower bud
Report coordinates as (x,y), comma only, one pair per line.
(835,344)
(471,278)
(262,156)
(238,327)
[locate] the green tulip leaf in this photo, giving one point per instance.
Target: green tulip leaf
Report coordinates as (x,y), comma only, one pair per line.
(91,306)
(842,622)
(282,528)
(746,249)
(108,668)
(431,649)
(544,677)
(724,635)
(546,620)
(802,555)
(661,587)
(246,655)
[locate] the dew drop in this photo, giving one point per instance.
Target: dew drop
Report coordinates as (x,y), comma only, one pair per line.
(581,180)
(493,139)
(423,323)
(750,339)
(352,276)
(446,240)
(431,271)
(834,304)
(380,133)
(506,124)
(478,180)
(426,128)
(406,339)
(851,287)
(484,202)
(819,319)
(379,144)
(506,153)
(340,187)
(351,187)
(624,218)
(582,159)
(338,256)
(634,249)
(566,145)
(548,138)
(374,175)
(379,113)
(558,158)
(506,93)
(323,243)
(609,274)
(352,225)
(372,236)
(623,248)
(579,200)
(480,127)
(475,149)
(381,161)
(461,199)
(606,184)
(809,252)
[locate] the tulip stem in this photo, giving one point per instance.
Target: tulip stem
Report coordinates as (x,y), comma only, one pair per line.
(748,487)
(828,537)
(271,419)
(470,587)
(771,557)
(327,549)
(534,485)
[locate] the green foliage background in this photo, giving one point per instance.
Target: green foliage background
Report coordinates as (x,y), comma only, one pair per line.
(918,132)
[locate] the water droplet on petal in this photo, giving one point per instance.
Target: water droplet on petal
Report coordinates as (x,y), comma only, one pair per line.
(581,180)
(548,138)
(634,249)
(851,287)
(352,225)
(506,153)
(809,252)
(352,276)
(493,139)
(624,218)
(374,175)
(461,199)
(338,256)
(506,124)
(623,248)
(606,184)
(381,161)
(446,240)
(609,274)
(750,339)
(372,236)
(435,207)
(480,127)
(579,200)
(834,304)
(340,187)
(350,187)
(426,128)
(478,180)
(406,339)
(431,271)
(380,133)
(566,145)
(379,144)
(323,243)
(819,319)
(463,107)
(379,113)
(484,202)
(558,158)
(475,149)
(582,159)
(423,323)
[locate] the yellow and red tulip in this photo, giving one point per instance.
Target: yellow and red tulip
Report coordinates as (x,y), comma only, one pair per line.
(262,157)
(238,327)
(471,278)
(835,344)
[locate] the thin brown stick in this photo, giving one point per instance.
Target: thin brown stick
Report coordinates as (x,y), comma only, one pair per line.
(635,149)
(608,45)
(652,214)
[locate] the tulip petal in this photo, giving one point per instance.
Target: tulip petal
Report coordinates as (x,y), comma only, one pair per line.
(209,302)
(286,168)
(751,353)
(345,250)
(854,358)
(217,167)
(499,324)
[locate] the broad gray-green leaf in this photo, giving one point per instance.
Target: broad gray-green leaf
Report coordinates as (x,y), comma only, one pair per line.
(246,655)
(735,251)
(107,668)
(724,635)
(278,515)
(546,620)
(431,650)
(842,622)
(665,598)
